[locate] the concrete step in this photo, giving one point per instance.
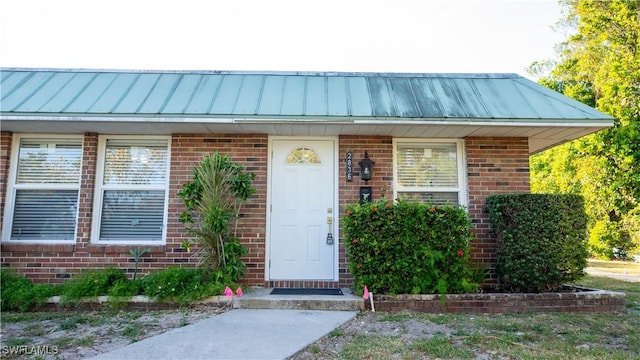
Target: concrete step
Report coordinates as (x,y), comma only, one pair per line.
(260,298)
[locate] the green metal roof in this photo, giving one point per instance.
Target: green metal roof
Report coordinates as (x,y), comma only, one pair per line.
(217,97)
(318,95)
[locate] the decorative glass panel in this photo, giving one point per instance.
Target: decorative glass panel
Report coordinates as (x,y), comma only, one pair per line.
(49,162)
(132,215)
(303,156)
(139,164)
(44,215)
(427,165)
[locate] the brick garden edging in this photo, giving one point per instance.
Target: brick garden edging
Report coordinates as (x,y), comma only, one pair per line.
(581,301)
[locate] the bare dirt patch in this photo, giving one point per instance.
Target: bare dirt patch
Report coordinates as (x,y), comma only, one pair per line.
(81,335)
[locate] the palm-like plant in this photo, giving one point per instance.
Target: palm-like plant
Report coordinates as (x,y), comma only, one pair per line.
(213,200)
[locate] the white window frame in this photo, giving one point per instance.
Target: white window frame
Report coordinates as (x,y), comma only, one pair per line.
(12,187)
(461,188)
(100,188)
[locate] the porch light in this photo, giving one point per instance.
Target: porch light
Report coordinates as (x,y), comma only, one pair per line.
(366,167)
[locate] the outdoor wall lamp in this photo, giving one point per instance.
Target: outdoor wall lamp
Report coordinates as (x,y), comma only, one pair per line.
(366,167)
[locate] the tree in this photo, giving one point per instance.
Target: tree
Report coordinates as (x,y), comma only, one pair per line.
(599,65)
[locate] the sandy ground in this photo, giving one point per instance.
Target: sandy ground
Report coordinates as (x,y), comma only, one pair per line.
(100,332)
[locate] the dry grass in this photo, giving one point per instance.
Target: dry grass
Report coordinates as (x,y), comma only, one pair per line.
(616,267)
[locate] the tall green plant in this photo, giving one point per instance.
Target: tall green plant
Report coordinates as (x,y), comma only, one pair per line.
(213,201)
(542,240)
(408,247)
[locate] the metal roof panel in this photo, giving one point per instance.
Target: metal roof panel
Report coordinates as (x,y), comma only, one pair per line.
(404,98)
(316,96)
(159,94)
(249,95)
(293,96)
(426,98)
(91,93)
(137,94)
(271,95)
(379,97)
(11,81)
(337,99)
(358,96)
(24,91)
(204,95)
(227,95)
(183,94)
(381,100)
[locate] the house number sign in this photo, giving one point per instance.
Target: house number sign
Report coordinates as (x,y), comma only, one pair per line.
(349,166)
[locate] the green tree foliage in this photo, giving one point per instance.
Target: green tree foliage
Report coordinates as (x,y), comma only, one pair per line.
(599,65)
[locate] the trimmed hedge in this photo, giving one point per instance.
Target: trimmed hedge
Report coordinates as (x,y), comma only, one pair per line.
(542,238)
(409,248)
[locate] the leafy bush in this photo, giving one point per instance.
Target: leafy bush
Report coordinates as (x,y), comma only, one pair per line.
(180,285)
(20,294)
(408,247)
(542,240)
(93,283)
(171,284)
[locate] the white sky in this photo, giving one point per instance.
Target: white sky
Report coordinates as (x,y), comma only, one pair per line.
(291,35)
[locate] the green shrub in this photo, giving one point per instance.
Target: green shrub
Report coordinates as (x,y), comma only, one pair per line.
(180,285)
(542,240)
(408,247)
(93,283)
(125,288)
(20,294)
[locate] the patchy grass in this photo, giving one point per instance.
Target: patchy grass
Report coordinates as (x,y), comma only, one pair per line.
(631,290)
(616,267)
(411,335)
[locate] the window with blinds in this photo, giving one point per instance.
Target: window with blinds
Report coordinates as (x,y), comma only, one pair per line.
(45,189)
(133,190)
(428,171)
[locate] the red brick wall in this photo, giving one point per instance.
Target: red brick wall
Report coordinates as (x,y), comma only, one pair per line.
(380,150)
(54,263)
(249,150)
(494,165)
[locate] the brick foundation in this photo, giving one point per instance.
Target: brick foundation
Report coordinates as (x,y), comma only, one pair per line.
(588,301)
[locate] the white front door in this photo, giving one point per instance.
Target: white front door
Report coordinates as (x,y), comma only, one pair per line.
(302,205)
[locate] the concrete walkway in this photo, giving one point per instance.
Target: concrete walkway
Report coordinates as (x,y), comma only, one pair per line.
(238,334)
(612,275)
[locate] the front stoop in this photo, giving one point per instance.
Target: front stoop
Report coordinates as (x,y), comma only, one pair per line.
(260,298)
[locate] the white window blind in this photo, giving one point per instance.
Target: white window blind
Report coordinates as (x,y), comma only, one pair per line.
(132,215)
(428,172)
(139,164)
(427,165)
(47,181)
(133,190)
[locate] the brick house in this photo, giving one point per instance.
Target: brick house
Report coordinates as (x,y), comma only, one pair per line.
(91,161)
